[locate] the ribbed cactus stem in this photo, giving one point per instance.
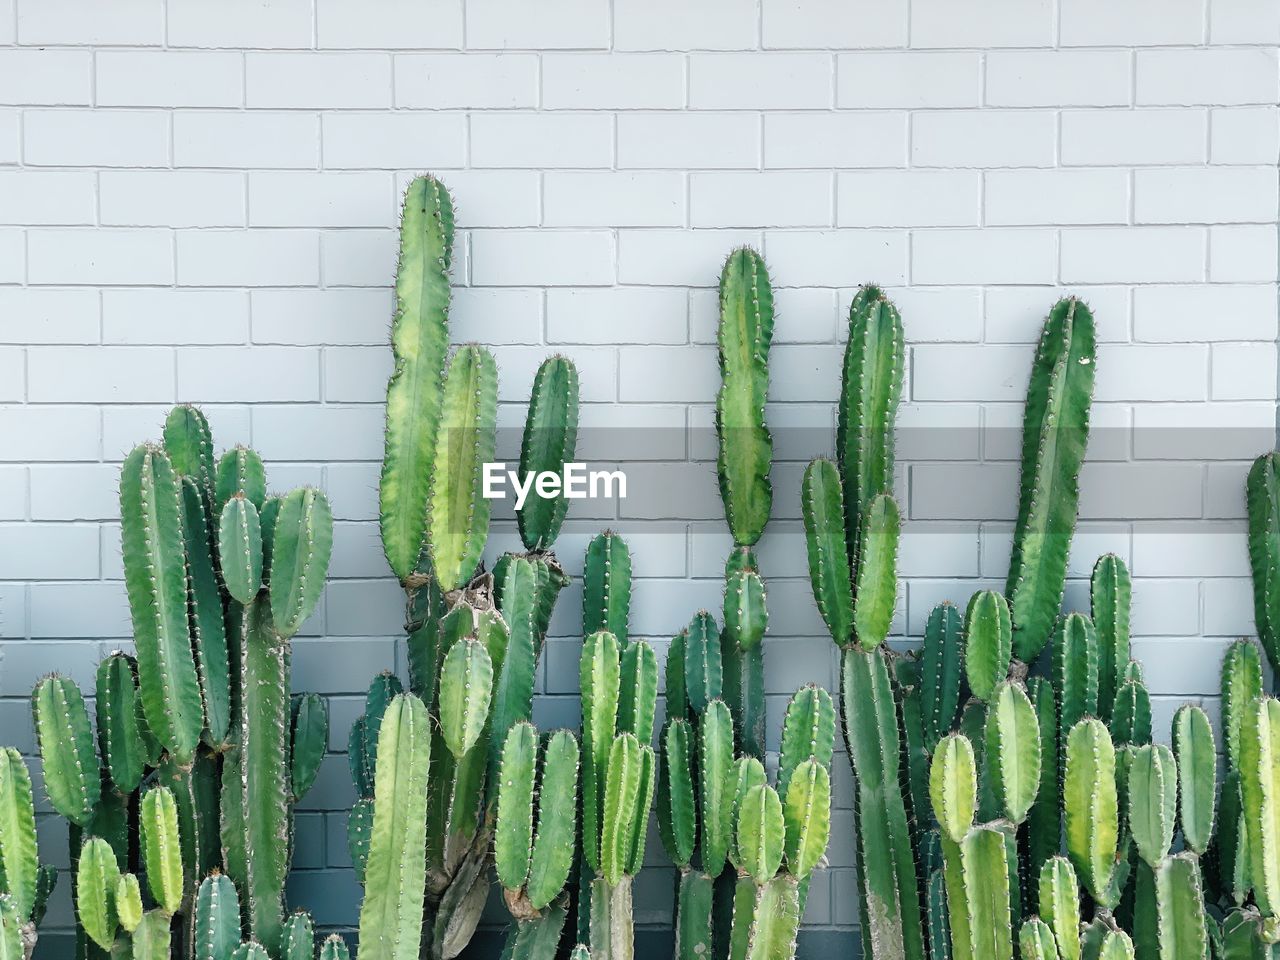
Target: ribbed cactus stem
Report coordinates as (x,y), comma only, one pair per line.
(550,435)
(606,586)
(1262,495)
(19,863)
(1110,595)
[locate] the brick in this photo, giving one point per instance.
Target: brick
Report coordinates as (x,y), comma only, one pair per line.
(823,259)
(774,199)
(1242,254)
(1084,23)
(317,317)
(359,258)
(992,255)
(609,199)
(73,138)
(908,79)
(9,124)
(1139,491)
(100,256)
(1153,372)
(557,24)
(1224,490)
(317,80)
(674,25)
(758,81)
(46,198)
(178,317)
(615,81)
(307,432)
(493,198)
(541,140)
(248,374)
(1133,255)
(26,663)
(247,257)
(240,23)
(688,140)
(356,375)
(941,314)
(1204,432)
(1029,197)
(619,315)
(835,139)
(956,373)
(1210,195)
(13,257)
(389,24)
(472,80)
(46,77)
(41,433)
(47,315)
(597,380)
(320,199)
(1133,137)
(1243,21)
(59,22)
(1243,371)
(81,491)
(1182,312)
(100,375)
(987,138)
(827,23)
(909,198)
(497,315)
(804,373)
(502,258)
(1082,78)
(73,610)
(254,139)
(1209,76)
(1228,608)
(666,374)
(1244,134)
(966,491)
(172,198)
(677,257)
(980,23)
(169,79)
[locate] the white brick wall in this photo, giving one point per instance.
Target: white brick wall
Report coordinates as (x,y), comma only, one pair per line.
(198,202)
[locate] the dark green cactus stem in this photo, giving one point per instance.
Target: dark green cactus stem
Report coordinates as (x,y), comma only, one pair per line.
(156,581)
(941,670)
(334,948)
(871,386)
(824,521)
(240,548)
(208,614)
(876,591)
(988,642)
(1075,670)
(458,515)
(309,739)
(1262,495)
(1059,904)
(606,586)
(746,448)
(419,342)
(1110,593)
(550,435)
(240,470)
(66,748)
(217,918)
(301,547)
(1054,436)
(395,877)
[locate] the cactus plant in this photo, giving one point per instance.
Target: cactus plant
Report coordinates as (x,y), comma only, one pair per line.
(25,885)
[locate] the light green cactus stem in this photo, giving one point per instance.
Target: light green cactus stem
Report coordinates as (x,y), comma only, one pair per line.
(1044,823)
(128,901)
(97,874)
(745,614)
(458,515)
(638,695)
(1036,942)
(66,749)
(612,929)
(156,582)
(1075,669)
(606,586)
(251,950)
(466,687)
(419,343)
(1116,945)
(1013,750)
(1090,799)
(240,548)
(301,547)
(299,940)
(623,802)
(217,918)
(953,786)
(1110,595)
(807,811)
(517,582)
(677,800)
(550,435)
(599,680)
(1241,685)
(808,732)
(11,931)
(984,858)
(1131,714)
(208,613)
(334,948)
(240,470)
(152,938)
(1153,797)
(1197,769)
(715,763)
(761,833)
(824,527)
(941,668)
(746,448)
(988,642)
(1054,436)
(395,877)
(161,847)
(19,861)
(870,388)
(309,739)
(1059,904)
(1262,495)
(118,712)
(1260,787)
(877,572)
(892,895)
(1180,907)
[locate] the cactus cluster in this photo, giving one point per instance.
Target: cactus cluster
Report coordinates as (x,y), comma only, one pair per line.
(25,884)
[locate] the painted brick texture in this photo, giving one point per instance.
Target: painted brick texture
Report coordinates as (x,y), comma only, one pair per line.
(199,204)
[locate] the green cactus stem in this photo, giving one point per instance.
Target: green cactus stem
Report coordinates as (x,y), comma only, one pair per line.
(66,748)
(240,470)
(217,918)
(876,591)
(128,900)
(240,548)
(299,940)
(19,863)
(1075,669)
(419,343)
(606,586)
(301,547)
(988,642)
(309,739)
(118,711)
(1055,433)
(824,523)
(1090,799)
(941,669)
(97,875)
(1013,750)
(1197,769)
(1110,594)
(161,847)
(550,435)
